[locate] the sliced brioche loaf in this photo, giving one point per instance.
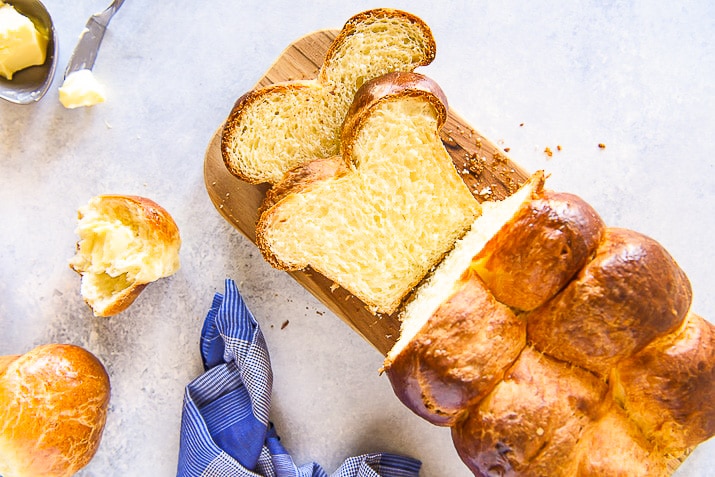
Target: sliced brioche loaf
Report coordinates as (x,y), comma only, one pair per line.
(276,128)
(386,216)
(554,345)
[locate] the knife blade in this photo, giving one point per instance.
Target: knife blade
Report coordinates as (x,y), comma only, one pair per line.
(85,53)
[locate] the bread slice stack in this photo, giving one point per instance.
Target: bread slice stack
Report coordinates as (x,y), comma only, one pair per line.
(273,129)
(550,343)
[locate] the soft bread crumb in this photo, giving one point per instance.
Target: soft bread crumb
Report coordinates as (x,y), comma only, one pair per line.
(392,207)
(273,129)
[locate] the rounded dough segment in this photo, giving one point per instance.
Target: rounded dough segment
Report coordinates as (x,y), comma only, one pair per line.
(436,375)
(673,402)
(532,421)
(537,253)
(631,293)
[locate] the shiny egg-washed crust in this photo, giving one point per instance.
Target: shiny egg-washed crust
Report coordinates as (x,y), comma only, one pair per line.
(438,380)
(275,128)
(533,255)
(616,377)
(674,401)
(532,421)
(536,254)
(53,407)
(630,293)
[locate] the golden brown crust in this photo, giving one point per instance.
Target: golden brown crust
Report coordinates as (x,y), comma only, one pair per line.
(153,216)
(60,432)
(391,86)
(120,302)
(459,355)
(603,315)
(302,177)
(668,388)
(532,421)
(535,255)
(613,446)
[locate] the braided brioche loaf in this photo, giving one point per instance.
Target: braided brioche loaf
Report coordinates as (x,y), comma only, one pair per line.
(273,129)
(553,345)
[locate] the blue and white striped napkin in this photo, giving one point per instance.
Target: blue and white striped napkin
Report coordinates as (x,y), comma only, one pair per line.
(225,430)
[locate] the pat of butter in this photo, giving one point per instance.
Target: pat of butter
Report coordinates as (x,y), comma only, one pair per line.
(21,44)
(81,88)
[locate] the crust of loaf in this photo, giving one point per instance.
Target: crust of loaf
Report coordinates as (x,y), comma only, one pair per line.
(436,375)
(613,446)
(532,421)
(401,201)
(540,251)
(276,128)
(302,177)
(433,369)
(60,432)
(126,242)
(602,316)
(673,403)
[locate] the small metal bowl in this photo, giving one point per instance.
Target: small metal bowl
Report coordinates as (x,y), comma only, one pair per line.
(30,85)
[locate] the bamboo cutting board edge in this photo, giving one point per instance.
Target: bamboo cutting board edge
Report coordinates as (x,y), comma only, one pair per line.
(484,167)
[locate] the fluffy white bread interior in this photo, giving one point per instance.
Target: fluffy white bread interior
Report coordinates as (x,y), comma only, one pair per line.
(380,227)
(439,285)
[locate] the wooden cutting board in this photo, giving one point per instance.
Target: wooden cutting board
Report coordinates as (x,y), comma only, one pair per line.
(488,172)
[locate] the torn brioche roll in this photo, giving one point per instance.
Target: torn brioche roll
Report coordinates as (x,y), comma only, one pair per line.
(126,242)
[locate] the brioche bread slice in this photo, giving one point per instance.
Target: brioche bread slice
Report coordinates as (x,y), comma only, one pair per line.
(390,212)
(276,128)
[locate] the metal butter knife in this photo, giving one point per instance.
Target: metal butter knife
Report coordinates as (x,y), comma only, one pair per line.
(85,53)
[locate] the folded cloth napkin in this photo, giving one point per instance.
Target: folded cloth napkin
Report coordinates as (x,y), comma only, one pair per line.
(225,429)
